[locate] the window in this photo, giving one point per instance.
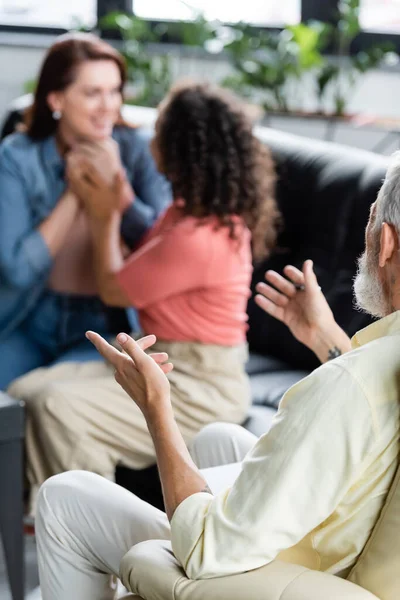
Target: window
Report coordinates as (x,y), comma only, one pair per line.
(380,16)
(380,19)
(256,12)
(62,14)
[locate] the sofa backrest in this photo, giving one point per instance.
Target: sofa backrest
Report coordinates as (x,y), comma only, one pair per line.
(324,191)
(378,570)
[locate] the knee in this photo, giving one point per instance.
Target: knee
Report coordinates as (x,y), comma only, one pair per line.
(221,443)
(19,388)
(57,505)
(37,406)
(216,433)
(60,486)
(54,494)
(48,400)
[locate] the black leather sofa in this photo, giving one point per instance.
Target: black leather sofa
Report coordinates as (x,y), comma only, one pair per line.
(324,192)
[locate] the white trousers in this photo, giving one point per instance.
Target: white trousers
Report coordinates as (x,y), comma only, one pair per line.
(85,524)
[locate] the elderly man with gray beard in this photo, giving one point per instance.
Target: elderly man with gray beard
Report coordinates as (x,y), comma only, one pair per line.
(309,491)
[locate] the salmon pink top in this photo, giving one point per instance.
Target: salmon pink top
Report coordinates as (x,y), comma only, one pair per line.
(190,281)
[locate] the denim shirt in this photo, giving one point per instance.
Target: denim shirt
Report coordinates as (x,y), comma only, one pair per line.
(31,183)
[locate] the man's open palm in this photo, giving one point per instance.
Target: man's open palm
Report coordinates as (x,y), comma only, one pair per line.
(296,301)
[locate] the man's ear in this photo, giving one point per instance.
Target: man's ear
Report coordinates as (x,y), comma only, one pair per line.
(389,243)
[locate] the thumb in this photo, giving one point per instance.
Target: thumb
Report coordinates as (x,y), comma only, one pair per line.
(133,350)
(310,278)
(119,182)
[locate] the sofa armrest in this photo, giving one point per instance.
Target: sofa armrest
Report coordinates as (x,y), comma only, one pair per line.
(150,570)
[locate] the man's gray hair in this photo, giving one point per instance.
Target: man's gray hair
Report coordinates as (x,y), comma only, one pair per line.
(388,206)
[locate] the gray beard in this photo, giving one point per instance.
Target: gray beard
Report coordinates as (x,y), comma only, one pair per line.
(368,290)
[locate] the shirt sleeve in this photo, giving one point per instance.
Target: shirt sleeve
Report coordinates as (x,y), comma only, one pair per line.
(152,194)
(24,255)
(169,263)
(291,482)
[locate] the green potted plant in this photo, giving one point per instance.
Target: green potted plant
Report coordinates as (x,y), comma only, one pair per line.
(149,71)
(150,75)
(339,78)
(267,66)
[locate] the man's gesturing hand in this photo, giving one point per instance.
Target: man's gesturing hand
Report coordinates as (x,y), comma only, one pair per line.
(142,376)
(298,302)
(305,312)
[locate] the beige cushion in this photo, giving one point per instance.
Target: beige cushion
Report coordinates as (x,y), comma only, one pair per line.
(378,568)
(151,570)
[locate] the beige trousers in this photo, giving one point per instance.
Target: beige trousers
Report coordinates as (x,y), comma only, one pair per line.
(78,417)
(86,524)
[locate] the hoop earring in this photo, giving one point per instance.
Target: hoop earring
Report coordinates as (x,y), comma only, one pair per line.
(56,115)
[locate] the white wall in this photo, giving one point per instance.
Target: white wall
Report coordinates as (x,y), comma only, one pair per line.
(378,93)
(18,64)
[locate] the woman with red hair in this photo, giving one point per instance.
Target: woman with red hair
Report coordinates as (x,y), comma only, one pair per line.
(48,291)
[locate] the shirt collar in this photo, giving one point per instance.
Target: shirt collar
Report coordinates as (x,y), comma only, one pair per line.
(386,326)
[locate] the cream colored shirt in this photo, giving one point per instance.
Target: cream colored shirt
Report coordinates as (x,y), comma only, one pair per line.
(312,488)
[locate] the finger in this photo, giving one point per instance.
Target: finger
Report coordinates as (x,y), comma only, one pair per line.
(107,351)
(167,368)
(90,172)
(310,278)
(269,307)
(159,357)
(109,147)
(95,176)
(146,342)
(72,159)
(91,150)
(272,294)
(73,167)
(82,167)
(280,283)
(294,274)
(119,182)
(84,186)
(78,159)
(133,350)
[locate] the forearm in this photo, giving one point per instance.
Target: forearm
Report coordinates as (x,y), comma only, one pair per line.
(108,258)
(179,475)
(55,228)
(137,219)
(330,342)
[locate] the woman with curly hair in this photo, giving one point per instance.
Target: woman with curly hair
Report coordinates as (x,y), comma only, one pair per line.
(189,279)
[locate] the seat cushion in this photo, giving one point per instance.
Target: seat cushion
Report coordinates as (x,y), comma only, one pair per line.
(259,419)
(268,388)
(151,570)
(377,569)
(260,363)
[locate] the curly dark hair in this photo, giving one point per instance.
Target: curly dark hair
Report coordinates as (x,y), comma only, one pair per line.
(204,144)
